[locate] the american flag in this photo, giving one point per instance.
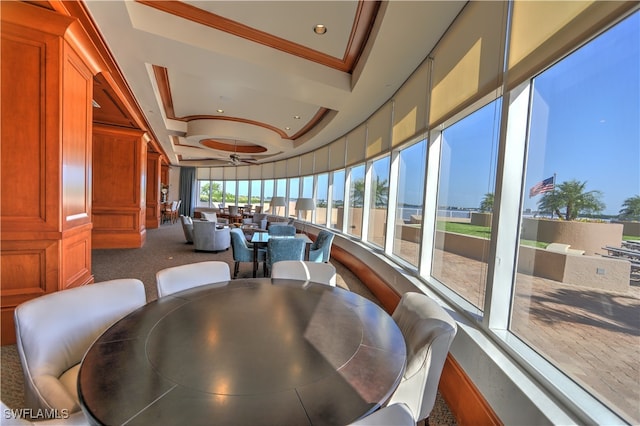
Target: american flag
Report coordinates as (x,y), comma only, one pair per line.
(542,187)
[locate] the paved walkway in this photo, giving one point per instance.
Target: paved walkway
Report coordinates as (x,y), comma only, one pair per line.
(593,335)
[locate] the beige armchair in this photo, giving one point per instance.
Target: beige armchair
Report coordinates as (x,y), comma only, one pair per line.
(55,330)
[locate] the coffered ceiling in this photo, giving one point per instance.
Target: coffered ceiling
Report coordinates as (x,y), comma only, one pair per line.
(251,80)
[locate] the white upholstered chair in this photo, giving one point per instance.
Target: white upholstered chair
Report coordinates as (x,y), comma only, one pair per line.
(428,331)
(324,273)
(13,418)
(178,278)
(55,330)
(397,414)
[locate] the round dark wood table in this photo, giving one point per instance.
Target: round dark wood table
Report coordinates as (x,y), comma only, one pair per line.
(245,352)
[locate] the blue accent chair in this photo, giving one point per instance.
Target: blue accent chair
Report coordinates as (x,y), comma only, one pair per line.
(287,248)
(320,249)
(242,252)
(282,230)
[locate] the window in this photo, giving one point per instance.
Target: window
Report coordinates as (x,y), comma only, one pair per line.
(255,193)
(356,200)
(243,192)
(268,194)
(322,188)
(408,227)
(294,190)
(379,196)
(465,203)
(337,200)
(216,192)
(230,192)
(571,304)
(204,193)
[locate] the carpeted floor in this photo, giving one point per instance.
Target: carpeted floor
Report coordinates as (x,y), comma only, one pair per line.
(166,247)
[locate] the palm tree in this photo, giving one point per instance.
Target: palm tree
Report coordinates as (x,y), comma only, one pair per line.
(572,197)
(380,193)
(631,208)
(486,206)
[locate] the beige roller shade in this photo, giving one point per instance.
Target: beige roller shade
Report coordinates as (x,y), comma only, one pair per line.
(356,141)
(242,172)
(542,32)
(337,154)
(306,164)
(321,159)
(379,131)
(255,172)
(410,106)
(293,167)
(203,173)
(280,169)
(268,171)
(468,61)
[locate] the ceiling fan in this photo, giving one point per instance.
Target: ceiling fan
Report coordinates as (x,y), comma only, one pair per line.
(235,159)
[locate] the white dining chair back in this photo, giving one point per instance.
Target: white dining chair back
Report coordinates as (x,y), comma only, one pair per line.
(54,331)
(183,277)
(324,273)
(428,331)
(397,414)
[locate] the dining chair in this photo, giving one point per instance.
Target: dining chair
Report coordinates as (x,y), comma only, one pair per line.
(324,273)
(243,251)
(320,249)
(428,331)
(281,229)
(11,418)
(183,277)
(397,414)
(284,249)
(55,330)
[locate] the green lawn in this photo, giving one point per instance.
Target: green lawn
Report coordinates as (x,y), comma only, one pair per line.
(480,231)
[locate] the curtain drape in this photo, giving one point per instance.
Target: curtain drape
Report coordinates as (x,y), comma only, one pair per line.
(187,190)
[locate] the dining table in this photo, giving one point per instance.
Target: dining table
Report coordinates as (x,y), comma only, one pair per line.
(244,352)
(259,240)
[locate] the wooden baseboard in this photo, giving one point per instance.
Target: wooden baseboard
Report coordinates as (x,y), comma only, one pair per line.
(466,403)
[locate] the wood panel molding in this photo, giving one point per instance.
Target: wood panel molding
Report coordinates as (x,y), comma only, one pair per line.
(465,401)
(47,83)
(154,171)
(119,187)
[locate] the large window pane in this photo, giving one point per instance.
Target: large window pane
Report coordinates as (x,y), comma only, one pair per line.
(243,192)
(465,202)
(572,304)
(255,193)
(294,190)
(408,229)
(379,193)
(268,194)
(230,192)
(356,201)
(322,198)
(204,194)
(216,193)
(337,200)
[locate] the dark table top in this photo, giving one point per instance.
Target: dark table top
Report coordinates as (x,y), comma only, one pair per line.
(245,352)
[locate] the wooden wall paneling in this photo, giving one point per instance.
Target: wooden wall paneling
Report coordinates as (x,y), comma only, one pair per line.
(46,83)
(119,187)
(154,166)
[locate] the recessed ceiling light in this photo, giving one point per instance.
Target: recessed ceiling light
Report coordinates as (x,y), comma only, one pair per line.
(297,117)
(220,111)
(320,29)
(287,128)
